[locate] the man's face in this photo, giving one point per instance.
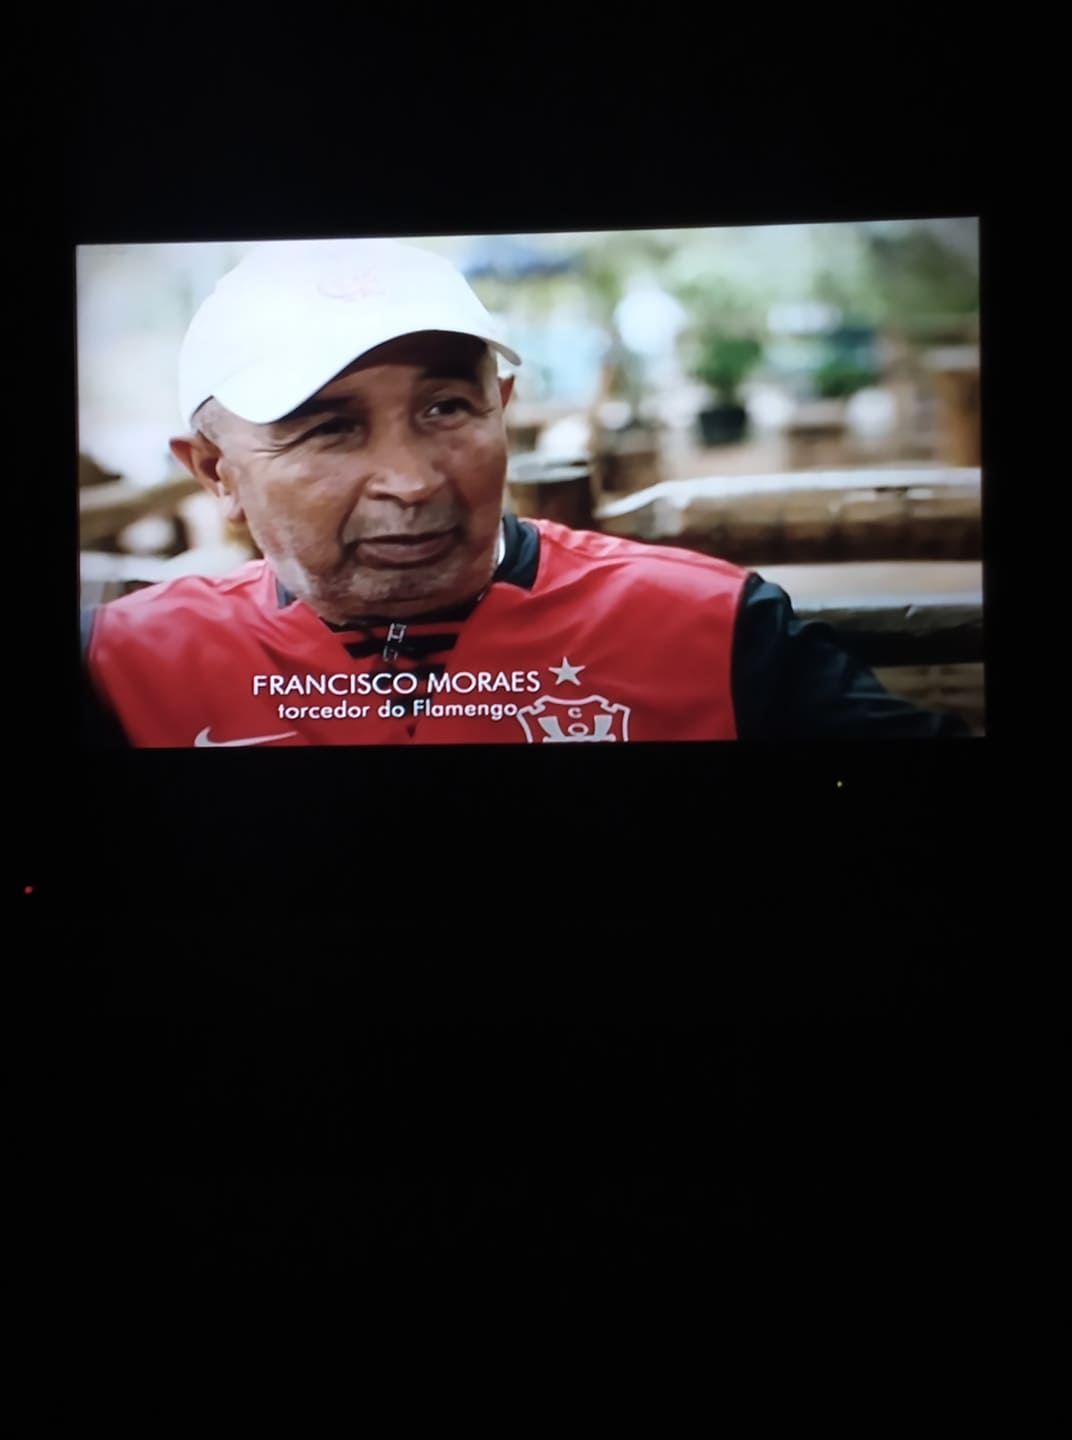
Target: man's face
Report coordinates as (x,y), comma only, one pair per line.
(383,493)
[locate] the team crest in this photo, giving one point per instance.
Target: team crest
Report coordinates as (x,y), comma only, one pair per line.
(573,721)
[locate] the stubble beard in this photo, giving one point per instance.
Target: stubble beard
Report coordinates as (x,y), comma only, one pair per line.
(360,591)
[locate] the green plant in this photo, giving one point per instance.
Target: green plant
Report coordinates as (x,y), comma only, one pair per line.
(841,376)
(724,361)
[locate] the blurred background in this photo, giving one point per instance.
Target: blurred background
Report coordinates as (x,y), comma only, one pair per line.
(803,399)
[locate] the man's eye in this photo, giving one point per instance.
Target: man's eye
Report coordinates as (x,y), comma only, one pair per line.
(452,405)
(340,425)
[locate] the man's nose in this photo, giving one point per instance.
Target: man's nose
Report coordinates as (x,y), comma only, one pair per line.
(400,472)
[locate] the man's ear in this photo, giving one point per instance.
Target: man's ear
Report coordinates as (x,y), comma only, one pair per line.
(205,463)
(506,388)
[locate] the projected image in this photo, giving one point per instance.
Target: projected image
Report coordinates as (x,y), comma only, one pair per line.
(595,488)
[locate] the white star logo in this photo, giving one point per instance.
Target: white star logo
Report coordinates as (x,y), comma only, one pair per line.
(566,672)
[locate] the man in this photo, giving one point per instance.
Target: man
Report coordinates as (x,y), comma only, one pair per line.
(344,400)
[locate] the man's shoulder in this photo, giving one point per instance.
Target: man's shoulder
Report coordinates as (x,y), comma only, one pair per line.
(662,564)
(250,584)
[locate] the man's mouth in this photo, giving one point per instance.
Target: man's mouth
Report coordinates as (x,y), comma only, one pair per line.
(400,551)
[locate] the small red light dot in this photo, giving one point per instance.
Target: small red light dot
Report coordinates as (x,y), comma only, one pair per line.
(28,890)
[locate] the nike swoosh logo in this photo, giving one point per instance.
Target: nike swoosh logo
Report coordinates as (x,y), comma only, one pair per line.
(203,739)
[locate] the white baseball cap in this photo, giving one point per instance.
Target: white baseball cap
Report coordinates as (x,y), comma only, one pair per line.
(292,314)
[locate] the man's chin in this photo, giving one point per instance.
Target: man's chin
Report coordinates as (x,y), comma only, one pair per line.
(399,593)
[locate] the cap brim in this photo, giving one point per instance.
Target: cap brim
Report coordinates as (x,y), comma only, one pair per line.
(268,391)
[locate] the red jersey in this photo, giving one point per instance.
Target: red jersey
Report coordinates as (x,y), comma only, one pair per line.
(602,640)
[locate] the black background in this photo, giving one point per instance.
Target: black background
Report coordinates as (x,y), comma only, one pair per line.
(666,1012)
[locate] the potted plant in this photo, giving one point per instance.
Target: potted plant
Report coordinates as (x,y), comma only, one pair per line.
(724,361)
(818,427)
(840,376)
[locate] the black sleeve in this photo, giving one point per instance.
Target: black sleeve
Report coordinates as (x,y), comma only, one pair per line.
(791,680)
(99,727)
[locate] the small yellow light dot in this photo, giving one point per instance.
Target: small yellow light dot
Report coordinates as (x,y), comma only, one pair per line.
(840,783)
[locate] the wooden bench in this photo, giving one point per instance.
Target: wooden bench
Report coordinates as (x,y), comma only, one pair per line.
(917,624)
(105,510)
(888,514)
